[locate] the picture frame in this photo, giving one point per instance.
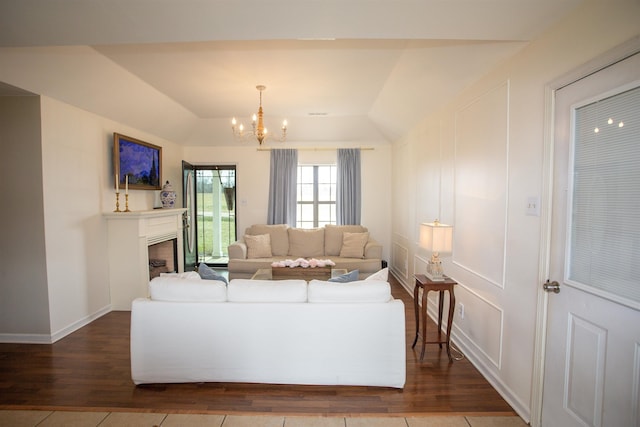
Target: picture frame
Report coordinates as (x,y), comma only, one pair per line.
(140,161)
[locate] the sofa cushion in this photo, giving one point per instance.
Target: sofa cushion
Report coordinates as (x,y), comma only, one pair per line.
(380,275)
(258,246)
(351,276)
(246,290)
(333,237)
(278,234)
(208,273)
(306,242)
(187,290)
(361,291)
(353,244)
(185,275)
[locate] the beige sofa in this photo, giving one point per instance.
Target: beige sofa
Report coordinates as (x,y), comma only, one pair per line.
(350,247)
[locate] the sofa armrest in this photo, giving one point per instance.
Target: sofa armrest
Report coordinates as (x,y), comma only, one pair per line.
(237,250)
(373,249)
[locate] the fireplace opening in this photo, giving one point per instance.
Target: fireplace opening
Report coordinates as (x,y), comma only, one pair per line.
(163,258)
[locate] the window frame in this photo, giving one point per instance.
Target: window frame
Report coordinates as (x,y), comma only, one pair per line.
(315,202)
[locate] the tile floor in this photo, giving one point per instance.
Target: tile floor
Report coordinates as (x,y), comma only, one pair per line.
(9,418)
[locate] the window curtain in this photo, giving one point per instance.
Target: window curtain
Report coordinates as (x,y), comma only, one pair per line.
(348,201)
(283,182)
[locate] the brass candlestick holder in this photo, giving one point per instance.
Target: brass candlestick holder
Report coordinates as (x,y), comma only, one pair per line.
(126,203)
(117,202)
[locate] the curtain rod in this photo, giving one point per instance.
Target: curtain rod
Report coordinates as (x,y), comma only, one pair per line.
(318,149)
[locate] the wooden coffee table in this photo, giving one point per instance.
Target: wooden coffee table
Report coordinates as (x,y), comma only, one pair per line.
(283,273)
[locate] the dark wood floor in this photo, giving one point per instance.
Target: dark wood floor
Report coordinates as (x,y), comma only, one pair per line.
(89,370)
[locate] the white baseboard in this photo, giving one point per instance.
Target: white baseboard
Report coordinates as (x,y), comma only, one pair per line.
(25,339)
(79,324)
(50,339)
(522,409)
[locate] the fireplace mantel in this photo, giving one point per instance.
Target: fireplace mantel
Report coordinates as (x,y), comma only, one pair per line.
(129,236)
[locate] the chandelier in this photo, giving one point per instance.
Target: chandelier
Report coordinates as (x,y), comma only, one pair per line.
(257,124)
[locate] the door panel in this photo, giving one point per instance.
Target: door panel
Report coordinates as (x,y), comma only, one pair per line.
(188,201)
(592,373)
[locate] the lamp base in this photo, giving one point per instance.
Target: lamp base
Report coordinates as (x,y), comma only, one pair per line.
(434,271)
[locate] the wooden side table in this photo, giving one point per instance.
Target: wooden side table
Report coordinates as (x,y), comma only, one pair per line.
(424,283)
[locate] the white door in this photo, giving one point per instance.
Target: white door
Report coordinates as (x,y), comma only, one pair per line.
(592,361)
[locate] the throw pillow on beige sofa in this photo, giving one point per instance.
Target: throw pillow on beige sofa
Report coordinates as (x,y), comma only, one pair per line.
(258,246)
(277,233)
(333,235)
(353,245)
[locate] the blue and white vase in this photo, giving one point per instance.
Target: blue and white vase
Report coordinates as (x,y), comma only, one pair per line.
(167,196)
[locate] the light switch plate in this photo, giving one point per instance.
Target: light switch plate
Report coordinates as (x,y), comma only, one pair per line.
(533,206)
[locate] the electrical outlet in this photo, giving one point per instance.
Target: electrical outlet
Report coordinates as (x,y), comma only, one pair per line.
(461,310)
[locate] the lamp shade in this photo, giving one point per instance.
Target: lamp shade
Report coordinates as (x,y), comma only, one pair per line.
(436,237)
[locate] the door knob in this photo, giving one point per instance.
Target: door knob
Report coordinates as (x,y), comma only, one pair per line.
(551,286)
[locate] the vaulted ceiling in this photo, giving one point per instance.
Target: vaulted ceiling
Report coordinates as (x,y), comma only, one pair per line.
(340,71)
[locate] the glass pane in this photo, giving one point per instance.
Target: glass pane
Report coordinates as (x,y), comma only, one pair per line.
(325,192)
(227,178)
(605,219)
(305,212)
(324,213)
(305,174)
(324,174)
(215,216)
(306,193)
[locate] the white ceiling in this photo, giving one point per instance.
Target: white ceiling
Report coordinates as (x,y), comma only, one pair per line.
(340,71)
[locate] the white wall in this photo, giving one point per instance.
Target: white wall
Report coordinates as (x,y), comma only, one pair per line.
(76,186)
(252,188)
(473,164)
(24,305)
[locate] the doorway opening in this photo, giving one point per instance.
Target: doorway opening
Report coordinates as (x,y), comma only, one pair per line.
(214,212)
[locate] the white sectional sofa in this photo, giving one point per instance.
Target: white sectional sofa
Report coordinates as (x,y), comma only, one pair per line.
(279,332)
(350,247)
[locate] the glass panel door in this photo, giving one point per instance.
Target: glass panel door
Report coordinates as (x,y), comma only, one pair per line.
(215,213)
(188,202)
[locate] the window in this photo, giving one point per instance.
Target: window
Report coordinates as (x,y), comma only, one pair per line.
(604,219)
(316,196)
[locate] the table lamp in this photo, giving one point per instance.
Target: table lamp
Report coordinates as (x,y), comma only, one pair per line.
(438,239)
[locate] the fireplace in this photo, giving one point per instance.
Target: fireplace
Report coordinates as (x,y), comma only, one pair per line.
(163,258)
(142,244)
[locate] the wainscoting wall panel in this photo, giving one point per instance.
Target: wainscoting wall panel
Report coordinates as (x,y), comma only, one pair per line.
(400,261)
(420,267)
(419,264)
(482,326)
(481,184)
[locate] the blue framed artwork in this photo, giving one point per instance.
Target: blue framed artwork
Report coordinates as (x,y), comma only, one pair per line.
(138,161)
